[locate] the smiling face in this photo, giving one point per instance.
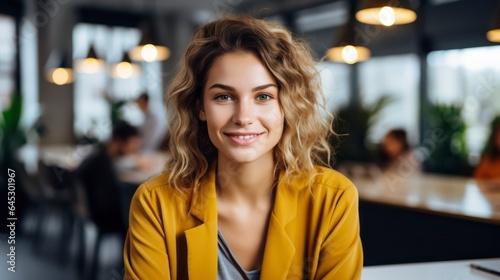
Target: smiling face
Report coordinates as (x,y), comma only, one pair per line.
(240,105)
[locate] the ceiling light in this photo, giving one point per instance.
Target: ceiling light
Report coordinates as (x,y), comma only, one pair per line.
(386,12)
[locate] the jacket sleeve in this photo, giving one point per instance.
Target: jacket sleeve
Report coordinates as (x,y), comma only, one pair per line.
(341,254)
(145,253)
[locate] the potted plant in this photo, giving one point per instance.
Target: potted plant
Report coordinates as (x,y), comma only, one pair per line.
(353,124)
(12,138)
(449,154)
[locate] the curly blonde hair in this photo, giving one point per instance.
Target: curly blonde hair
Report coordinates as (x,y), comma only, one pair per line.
(304,142)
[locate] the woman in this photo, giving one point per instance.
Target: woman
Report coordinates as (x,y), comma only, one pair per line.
(489,167)
(242,198)
(395,152)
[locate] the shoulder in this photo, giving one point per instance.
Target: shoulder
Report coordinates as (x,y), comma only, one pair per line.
(333,193)
(327,186)
(155,192)
(328,179)
(96,159)
(154,184)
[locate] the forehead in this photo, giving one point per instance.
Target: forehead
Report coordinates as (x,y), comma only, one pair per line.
(240,70)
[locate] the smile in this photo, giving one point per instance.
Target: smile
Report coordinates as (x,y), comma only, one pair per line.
(243,139)
(246,136)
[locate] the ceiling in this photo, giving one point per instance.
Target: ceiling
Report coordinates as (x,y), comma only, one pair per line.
(167,6)
(442,24)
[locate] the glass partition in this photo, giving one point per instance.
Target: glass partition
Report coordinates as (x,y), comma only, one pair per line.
(96,93)
(397,77)
(469,78)
(7,58)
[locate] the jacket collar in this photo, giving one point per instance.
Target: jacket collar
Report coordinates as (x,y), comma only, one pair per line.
(204,203)
(202,240)
(280,251)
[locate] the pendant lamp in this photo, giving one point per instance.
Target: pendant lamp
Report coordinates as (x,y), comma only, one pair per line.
(149,48)
(493,34)
(58,69)
(347,49)
(90,64)
(125,68)
(386,12)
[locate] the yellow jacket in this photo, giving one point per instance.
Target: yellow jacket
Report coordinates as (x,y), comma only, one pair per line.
(313,233)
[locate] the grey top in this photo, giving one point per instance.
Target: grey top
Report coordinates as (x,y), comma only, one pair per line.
(226,269)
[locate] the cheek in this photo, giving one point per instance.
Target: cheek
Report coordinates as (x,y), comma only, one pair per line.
(216,116)
(275,118)
(215,119)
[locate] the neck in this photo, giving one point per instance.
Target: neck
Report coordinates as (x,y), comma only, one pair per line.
(245,183)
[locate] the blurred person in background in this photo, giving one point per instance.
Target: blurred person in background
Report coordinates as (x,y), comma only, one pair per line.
(154,128)
(395,153)
(99,177)
(489,166)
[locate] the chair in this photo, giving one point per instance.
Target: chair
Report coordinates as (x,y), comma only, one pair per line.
(55,201)
(97,181)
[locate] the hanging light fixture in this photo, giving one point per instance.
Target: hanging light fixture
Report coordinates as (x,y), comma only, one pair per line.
(346,49)
(493,34)
(58,69)
(125,68)
(90,64)
(386,12)
(149,49)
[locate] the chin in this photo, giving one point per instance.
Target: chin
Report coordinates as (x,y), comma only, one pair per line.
(242,159)
(244,156)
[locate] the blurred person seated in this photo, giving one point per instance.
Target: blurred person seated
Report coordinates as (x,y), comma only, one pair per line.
(153,129)
(488,169)
(395,154)
(100,180)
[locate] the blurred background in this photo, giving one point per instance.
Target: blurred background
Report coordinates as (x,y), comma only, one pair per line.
(415,87)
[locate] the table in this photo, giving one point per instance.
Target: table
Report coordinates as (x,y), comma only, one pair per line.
(459,270)
(414,217)
(459,197)
(69,157)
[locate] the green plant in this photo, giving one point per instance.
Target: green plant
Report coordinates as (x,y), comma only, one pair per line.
(116,112)
(12,138)
(12,135)
(448,153)
(353,125)
(116,115)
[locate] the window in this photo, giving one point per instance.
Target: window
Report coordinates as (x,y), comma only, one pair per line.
(335,79)
(7,59)
(93,91)
(395,76)
(470,78)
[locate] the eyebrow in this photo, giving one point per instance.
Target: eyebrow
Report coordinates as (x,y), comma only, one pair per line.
(230,88)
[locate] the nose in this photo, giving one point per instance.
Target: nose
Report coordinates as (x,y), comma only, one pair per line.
(243,113)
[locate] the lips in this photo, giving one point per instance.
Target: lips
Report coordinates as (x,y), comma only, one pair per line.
(243,138)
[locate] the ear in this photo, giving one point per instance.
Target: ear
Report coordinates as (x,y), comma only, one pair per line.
(201,111)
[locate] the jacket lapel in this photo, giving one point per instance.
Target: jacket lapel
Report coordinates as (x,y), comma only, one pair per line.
(202,240)
(280,251)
